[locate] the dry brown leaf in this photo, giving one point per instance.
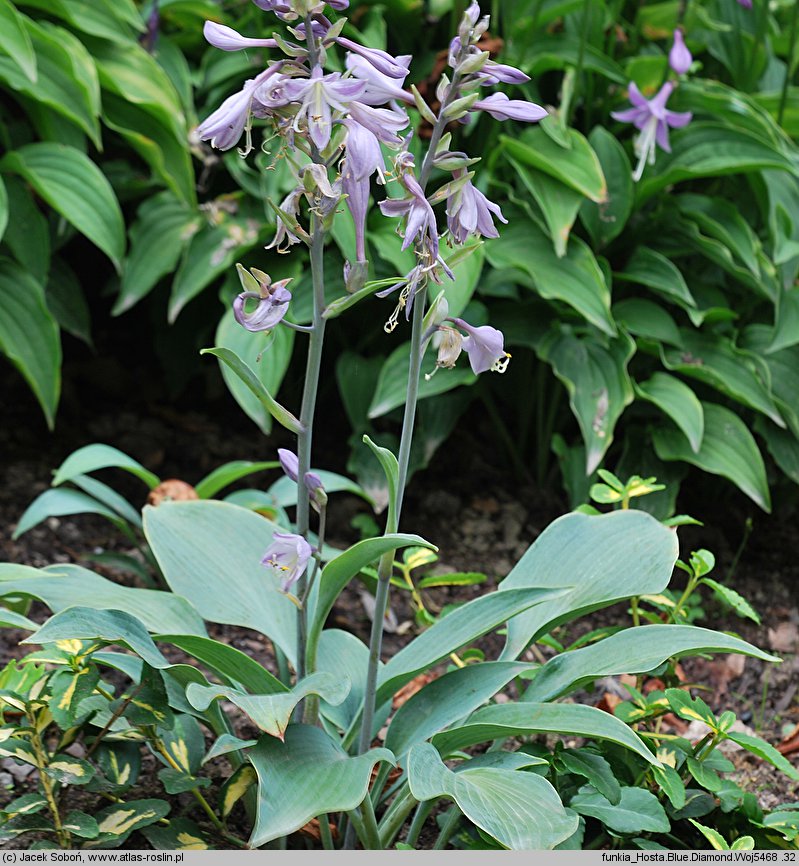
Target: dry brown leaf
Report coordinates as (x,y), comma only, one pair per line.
(608,702)
(312,830)
(784,638)
(410,689)
(790,744)
(171,490)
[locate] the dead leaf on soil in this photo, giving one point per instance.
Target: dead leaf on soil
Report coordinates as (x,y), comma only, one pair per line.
(790,744)
(171,490)
(312,830)
(410,689)
(784,638)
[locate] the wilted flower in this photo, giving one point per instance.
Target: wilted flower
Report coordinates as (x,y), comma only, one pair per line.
(273,301)
(289,207)
(288,554)
(449,349)
(485,347)
(680,58)
(469,212)
(289,462)
(317,95)
(501,108)
(653,119)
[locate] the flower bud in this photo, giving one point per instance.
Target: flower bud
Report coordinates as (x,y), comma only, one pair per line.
(473,63)
(316,489)
(289,462)
(680,58)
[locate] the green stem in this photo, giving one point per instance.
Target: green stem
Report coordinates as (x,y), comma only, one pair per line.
(422,813)
(450,825)
(48,787)
(636,615)
(305,438)
(579,75)
(395,815)
(690,587)
(788,62)
(325,834)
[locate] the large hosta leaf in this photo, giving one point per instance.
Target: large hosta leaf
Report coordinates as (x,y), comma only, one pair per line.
(728,449)
(76,188)
(271,713)
(303,777)
(29,335)
(575,279)
(598,560)
(595,375)
(632,651)
(62,586)
(639,810)
(210,552)
(679,402)
(522,811)
(606,220)
(456,629)
(446,700)
(499,721)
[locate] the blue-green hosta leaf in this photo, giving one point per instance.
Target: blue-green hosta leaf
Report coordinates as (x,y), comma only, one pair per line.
(499,721)
(224,475)
(58,503)
(522,811)
(728,449)
(575,279)
(60,586)
(105,626)
(29,335)
(598,559)
(576,166)
(595,374)
(447,699)
(271,713)
(595,769)
(305,776)
(632,651)
(458,628)
(606,220)
(210,552)
(719,363)
(76,188)
(679,402)
(15,41)
(710,150)
(639,810)
(342,651)
(90,458)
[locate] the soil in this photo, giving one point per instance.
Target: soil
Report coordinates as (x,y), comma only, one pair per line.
(482,521)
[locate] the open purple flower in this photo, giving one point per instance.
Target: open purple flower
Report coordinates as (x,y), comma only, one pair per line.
(653,119)
(421,219)
(225,126)
(383,62)
(273,303)
(318,96)
(469,213)
(288,554)
(680,58)
(501,108)
(485,347)
(379,88)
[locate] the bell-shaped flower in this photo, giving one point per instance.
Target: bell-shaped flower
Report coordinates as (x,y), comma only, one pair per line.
(379,88)
(485,347)
(318,96)
(653,119)
(469,212)
(228,39)
(288,555)
(501,108)
(273,302)
(224,127)
(421,221)
(383,62)
(680,58)
(384,123)
(289,462)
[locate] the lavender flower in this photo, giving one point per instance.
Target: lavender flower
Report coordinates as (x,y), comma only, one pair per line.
(228,39)
(317,95)
(316,490)
(273,300)
(421,219)
(288,554)
(383,62)
(485,347)
(469,212)
(289,462)
(501,108)
(225,126)
(747,4)
(680,58)
(379,88)
(653,119)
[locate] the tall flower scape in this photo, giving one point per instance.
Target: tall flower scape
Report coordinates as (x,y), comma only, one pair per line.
(340,131)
